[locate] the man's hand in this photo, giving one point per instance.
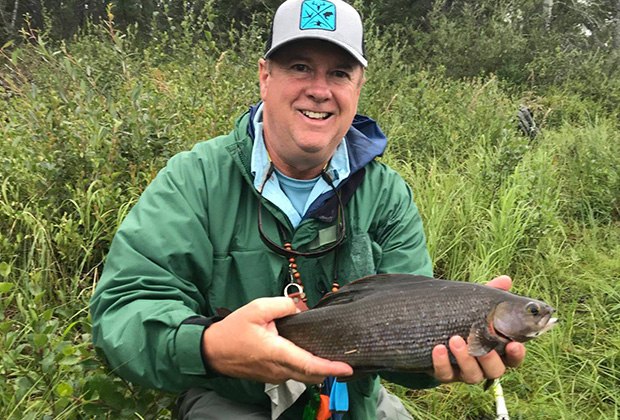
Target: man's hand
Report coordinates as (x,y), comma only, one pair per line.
(246,345)
(474,369)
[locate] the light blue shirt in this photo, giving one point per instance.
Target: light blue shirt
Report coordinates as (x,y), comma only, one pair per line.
(338,169)
(297,190)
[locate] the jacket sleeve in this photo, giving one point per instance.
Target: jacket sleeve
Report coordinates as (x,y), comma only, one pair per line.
(152,289)
(400,235)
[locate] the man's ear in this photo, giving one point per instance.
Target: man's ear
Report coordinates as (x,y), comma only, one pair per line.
(263,77)
(362,80)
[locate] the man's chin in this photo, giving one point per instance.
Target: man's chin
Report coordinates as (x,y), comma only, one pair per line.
(317,145)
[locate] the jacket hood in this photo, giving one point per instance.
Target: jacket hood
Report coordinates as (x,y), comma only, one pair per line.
(365,140)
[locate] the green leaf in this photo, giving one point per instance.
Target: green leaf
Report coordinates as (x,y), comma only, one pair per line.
(6,326)
(63,389)
(40,340)
(5,287)
(7,44)
(24,387)
(5,269)
(69,361)
(9,340)
(61,404)
(15,56)
(48,364)
(47,315)
(68,350)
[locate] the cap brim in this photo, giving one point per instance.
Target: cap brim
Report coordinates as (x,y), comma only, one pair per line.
(360,58)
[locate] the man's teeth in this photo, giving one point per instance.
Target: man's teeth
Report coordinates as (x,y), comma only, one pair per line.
(316,115)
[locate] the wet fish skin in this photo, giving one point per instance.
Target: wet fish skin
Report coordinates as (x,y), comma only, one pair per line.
(393,321)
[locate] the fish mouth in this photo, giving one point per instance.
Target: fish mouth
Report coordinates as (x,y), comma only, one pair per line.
(545,325)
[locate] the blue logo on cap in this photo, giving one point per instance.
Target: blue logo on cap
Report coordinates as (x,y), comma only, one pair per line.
(318,14)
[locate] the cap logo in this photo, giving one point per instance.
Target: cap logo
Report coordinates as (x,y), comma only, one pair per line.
(318,14)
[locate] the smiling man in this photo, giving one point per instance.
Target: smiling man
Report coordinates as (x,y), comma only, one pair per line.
(310,90)
(291,200)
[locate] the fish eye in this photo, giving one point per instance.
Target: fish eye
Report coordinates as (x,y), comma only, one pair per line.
(532,309)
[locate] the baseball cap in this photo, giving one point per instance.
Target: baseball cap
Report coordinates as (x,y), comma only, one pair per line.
(330,20)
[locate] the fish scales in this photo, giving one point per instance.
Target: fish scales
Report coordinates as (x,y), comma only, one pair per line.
(389,329)
(392,322)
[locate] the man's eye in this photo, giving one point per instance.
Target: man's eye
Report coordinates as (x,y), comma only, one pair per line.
(300,67)
(341,74)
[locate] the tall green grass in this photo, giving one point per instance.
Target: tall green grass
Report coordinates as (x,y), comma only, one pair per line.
(86,125)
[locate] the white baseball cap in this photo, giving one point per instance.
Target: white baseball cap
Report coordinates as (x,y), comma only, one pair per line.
(330,20)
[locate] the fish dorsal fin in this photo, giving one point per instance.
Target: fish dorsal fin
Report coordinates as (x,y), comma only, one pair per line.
(367,286)
(480,341)
(338,298)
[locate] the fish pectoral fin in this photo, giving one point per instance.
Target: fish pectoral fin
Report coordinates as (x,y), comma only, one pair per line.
(479,341)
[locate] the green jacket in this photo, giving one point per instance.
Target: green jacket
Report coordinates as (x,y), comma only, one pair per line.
(191,245)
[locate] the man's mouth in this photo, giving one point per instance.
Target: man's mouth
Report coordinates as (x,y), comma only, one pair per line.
(316,115)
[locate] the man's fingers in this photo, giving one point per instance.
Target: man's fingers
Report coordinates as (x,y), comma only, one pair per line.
(443,370)
(301,364)
(515,352)
(502,282)
(492,365)
(305,363)
(268,309)
(471,372)
(246,345)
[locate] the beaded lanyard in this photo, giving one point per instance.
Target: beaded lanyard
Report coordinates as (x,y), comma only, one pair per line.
(335,403)
(299,297)
(287,251)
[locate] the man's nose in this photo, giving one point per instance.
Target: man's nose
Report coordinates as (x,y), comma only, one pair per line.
(319,89)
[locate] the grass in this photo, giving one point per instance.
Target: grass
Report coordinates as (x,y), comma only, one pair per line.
(86,125)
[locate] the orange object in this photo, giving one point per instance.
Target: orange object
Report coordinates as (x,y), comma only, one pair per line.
(323,412)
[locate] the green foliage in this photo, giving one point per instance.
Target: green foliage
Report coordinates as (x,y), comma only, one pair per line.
(573,46)
(588,160)
(87,124)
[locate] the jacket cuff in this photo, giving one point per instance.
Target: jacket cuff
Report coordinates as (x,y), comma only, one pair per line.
(190,349)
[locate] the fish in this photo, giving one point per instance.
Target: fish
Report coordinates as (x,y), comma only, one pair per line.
(391,322)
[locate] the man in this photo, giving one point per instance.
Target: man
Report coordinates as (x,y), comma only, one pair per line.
(234,221)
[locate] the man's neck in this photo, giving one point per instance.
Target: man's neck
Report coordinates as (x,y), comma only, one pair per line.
(308,168)
(297,171)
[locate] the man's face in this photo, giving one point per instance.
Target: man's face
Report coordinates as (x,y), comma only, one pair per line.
(310,91)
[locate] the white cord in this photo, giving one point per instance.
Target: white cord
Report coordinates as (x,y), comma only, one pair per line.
(502,411)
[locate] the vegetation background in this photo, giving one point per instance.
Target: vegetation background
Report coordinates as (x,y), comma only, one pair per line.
(94,98)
